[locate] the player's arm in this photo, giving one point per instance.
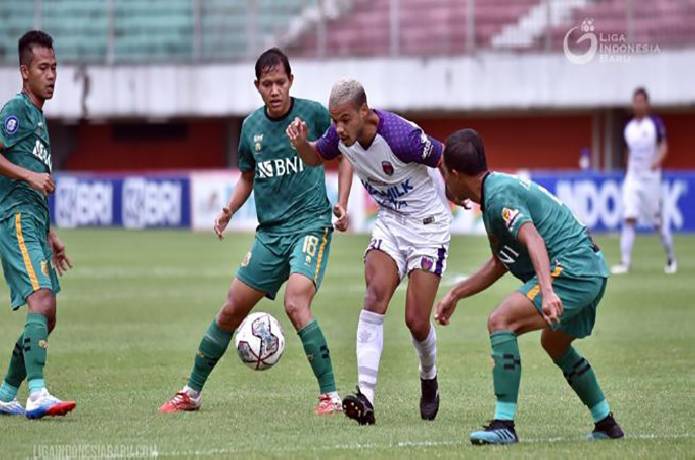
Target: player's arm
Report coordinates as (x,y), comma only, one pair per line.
(61,261)
(482,279)
(662,145)
(344,186)
(661,154)
(41,182)
(298,131)
(242,191)
(535,246)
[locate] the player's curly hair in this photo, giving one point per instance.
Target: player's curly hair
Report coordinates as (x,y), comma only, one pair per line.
(31,39)
(465,152)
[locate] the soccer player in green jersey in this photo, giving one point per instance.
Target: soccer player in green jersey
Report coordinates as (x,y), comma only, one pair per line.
(29,248)
(293,236)
(536,237)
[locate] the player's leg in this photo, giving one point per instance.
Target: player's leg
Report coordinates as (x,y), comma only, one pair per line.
(381,274)
(16,372)
(240,300)
(664,229)
(32,280)
(631,206)
(580,376)
(422,290)
(580,298)
(425,265)
(261,273)
(40,317)
(308,263)
(515,316)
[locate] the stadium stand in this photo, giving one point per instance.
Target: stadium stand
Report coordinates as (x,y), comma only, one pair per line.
(156,31)
(180,31)
(427,27)
(667,23)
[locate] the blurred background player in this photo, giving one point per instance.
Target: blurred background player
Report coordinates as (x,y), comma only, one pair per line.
(536,237)
(645,138)
(31,252)
(396,162)
(293,236)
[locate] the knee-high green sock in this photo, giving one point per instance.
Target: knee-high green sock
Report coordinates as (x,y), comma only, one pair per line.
(35,349)
(210,350)
(16,372)
(319,357)
(582,379)
(506,374)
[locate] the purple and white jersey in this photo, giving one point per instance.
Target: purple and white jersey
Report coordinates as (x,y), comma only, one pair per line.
(642,137)
(396,170)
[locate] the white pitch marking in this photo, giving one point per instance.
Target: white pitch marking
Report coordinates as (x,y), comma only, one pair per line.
(401,444)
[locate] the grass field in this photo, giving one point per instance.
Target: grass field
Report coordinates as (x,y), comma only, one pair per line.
(133,309)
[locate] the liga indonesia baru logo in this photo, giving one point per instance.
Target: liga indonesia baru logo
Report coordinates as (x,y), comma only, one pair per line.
(606,46)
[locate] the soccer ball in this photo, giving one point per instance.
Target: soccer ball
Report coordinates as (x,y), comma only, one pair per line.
(260,341)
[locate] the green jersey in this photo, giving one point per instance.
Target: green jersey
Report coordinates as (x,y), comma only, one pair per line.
(290,196)
(509,201)
(25,141)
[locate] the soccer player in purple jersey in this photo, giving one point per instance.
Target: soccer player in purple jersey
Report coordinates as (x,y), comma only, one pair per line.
(397,164)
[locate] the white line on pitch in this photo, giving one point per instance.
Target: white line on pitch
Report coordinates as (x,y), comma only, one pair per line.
(401,444)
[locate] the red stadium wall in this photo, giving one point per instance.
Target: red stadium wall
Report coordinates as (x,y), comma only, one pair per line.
(541,142)
(555,141)
(680,133)
(118,146)
(549,141)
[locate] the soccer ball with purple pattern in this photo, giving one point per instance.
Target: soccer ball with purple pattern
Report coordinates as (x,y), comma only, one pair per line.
(259,341)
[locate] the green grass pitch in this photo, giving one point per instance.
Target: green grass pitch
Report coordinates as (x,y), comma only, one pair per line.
(133,309)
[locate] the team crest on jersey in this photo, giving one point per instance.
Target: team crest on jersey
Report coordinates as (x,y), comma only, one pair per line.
(426,146)
(257,139)
(426,263)
(509,216)
(387,167)
(246,260)
(44,267)
(11,124)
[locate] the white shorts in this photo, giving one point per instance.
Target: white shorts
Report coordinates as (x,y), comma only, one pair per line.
(642,199)
(412,245)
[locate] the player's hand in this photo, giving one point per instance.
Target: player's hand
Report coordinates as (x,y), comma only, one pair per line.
(298,132)
(552,308)
(656,165)
(445,308)
(343,221)
(60,259)
(221,222)
(41,182)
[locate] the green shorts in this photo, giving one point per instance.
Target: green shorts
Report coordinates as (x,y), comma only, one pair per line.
(273,258)
(26,257)
(580,298)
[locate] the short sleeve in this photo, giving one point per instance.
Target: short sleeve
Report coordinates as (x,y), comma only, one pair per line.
(408,141)
(15,124)
(509,211)
(327,145)
(246,161)
(660,128)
